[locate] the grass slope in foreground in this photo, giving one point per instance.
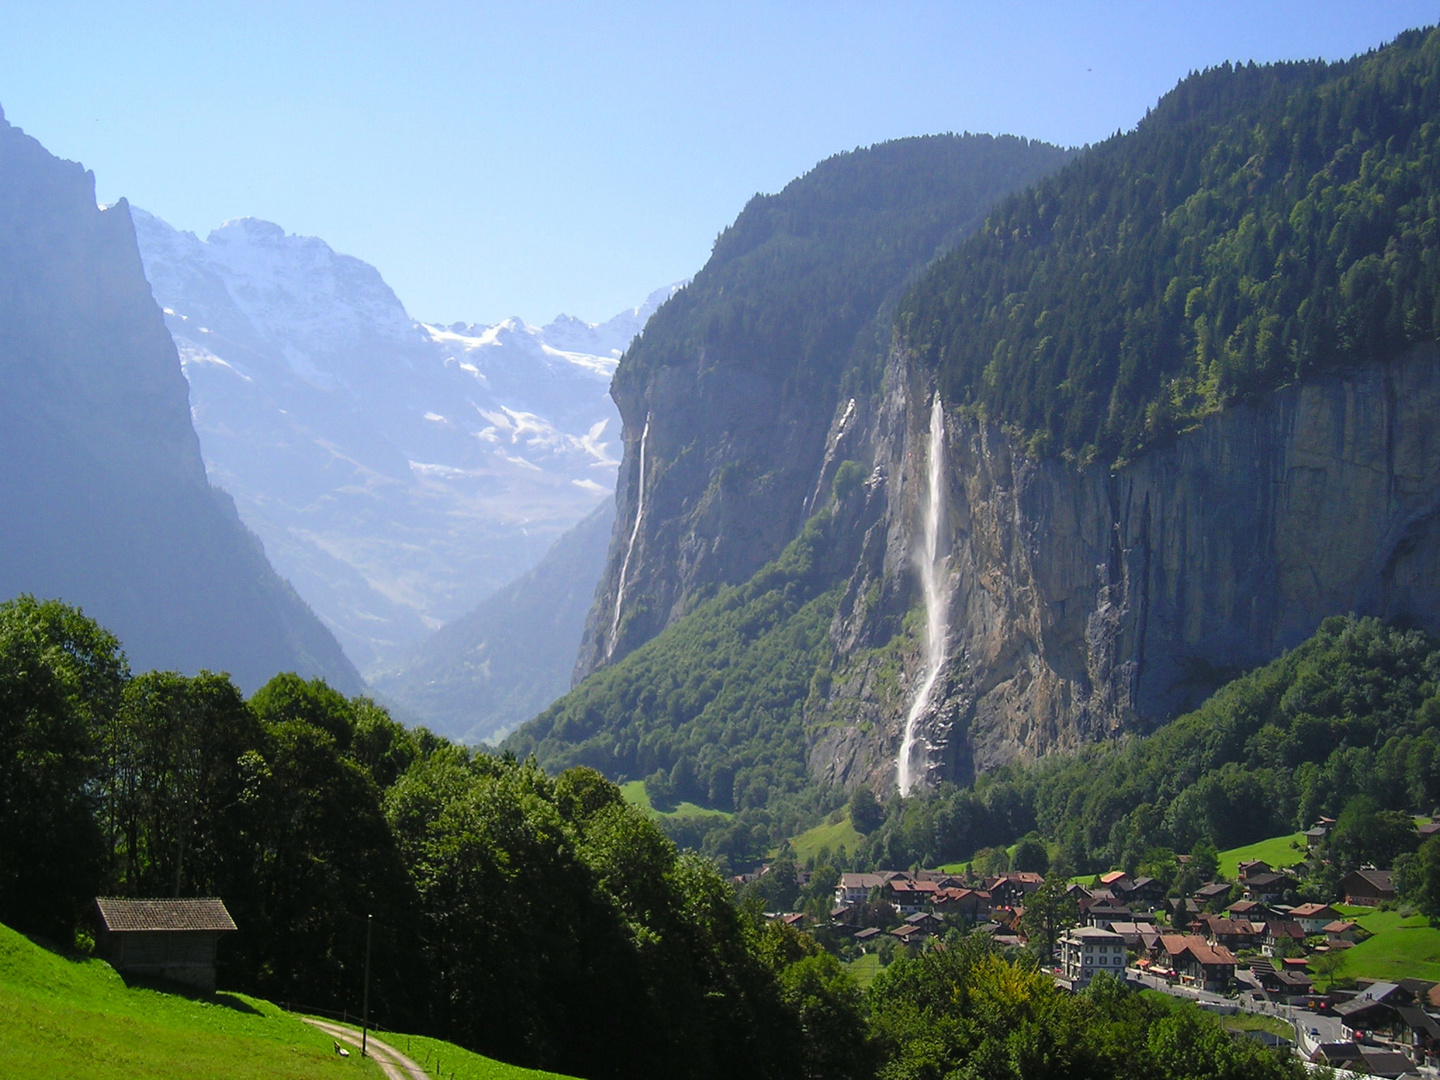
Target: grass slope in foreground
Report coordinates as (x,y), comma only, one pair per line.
(77,1020)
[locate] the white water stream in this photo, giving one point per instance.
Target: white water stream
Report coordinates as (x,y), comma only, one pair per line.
(936,602)
(630,544)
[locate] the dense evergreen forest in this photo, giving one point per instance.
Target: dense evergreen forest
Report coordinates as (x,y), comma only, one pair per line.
(538,919)
(1261,224)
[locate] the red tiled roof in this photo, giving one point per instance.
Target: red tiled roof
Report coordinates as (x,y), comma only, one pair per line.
(200,913)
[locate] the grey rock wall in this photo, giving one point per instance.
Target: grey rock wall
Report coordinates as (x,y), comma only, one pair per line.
(1086,603)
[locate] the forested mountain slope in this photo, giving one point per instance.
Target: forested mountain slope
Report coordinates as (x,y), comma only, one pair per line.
(1102,560)
(735,380)
(1261,224)
(103,493)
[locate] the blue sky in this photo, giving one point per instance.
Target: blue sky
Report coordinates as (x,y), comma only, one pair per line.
(531,158)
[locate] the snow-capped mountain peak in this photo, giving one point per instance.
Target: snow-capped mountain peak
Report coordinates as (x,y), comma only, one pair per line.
(396,471)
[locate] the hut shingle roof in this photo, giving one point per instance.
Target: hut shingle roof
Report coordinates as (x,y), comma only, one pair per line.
(200,913)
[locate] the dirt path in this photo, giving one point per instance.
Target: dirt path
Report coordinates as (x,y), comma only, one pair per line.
(392,1062)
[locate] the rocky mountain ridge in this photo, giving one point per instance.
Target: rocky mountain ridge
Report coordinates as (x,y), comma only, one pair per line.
(1085,603)
(103,491)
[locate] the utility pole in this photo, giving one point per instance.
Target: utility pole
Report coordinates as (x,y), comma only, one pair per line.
(365,1003)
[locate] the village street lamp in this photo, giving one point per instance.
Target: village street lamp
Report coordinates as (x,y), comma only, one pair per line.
(365,1000)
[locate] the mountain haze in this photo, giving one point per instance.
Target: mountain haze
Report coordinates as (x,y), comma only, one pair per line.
(492,669)
(102,489)
(397,472)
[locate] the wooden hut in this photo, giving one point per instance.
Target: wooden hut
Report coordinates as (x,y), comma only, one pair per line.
(163,939)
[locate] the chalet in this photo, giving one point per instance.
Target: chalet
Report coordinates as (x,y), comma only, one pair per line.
(1102,915)
(1196,961)
(1367,888)
(926,921)
(1362,1060)
(1424,1030)
(1279,934)
(1362,1014)
(1232,933)
(1205,966)
(855,888)
(1375,1007)
(869,934)
(1086,950)
(1313,917)
(1341,932)
(1013,888)
(1250,909)
(1212,894)
(1251,867)
(971,904)
(909,896)
(1172,946)
(1142,893)
(1315,837)
(1113,878)
(1268,887)
(1284,984)
(910,935)
(173,940)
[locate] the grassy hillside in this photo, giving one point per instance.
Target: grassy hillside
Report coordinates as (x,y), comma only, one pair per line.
(1404,947)
(76,1019)
(1277,851)
(829,834)
(636,795)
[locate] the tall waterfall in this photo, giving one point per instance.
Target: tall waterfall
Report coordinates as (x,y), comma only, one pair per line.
(629,544)
(937,627)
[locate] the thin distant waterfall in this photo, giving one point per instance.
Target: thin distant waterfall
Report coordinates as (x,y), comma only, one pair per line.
(937,626)
(629,544)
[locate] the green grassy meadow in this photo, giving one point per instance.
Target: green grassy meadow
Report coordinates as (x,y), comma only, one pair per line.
(76,1019)
(830,834)
(1403,947)
(865,968)
(1277,851)
(443,1059)
(635,794)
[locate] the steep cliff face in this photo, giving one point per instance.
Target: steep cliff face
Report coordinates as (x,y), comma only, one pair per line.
(728,395)
(103,493)
(1085,602)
